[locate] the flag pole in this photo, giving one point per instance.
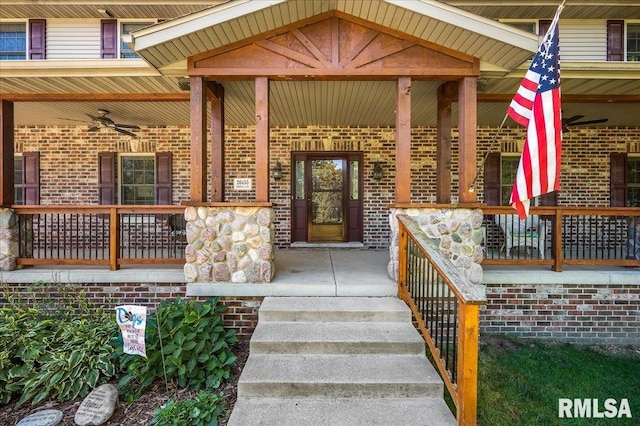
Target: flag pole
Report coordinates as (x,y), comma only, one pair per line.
(472,186)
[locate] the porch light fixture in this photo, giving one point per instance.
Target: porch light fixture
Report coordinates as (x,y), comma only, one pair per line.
(377,171)
(276,172)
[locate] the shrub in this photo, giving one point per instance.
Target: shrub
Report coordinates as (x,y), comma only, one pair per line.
(204,410)
(59,353)
(194,350)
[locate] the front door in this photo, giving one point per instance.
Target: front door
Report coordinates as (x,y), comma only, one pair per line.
(327,205)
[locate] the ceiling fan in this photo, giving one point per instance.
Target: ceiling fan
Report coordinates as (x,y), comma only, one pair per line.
(573,121)
(102,120)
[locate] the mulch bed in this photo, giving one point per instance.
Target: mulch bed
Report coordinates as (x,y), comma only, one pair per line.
(139,412)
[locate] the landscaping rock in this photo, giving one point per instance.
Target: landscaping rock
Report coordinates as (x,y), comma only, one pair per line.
(42,418)
(98,406)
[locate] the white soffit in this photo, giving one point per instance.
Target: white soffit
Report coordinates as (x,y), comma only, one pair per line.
(498,45)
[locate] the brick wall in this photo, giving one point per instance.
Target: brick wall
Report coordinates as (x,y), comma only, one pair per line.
(69,163)
(584,313)
(241,314)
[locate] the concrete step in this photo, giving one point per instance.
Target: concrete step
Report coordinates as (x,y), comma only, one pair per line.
(339,376)
(325,309)
(337,338)
(342,412)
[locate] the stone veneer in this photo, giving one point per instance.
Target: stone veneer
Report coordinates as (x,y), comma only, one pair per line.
(458,232)
(9,248)
(229,244)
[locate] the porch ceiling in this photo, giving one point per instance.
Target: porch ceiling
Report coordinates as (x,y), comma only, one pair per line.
(324,103)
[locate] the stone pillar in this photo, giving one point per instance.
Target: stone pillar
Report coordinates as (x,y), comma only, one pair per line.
(458,232)
(230,244)
(9,247)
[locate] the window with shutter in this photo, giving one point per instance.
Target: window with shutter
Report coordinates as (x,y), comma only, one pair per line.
(615,40)
(13,41)
(37,38)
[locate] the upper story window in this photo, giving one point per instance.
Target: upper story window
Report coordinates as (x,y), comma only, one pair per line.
(528,26)
(13,41)
(126,28)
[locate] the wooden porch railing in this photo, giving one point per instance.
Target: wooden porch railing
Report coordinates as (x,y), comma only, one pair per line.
(559,236)
(100,235)
(446,308)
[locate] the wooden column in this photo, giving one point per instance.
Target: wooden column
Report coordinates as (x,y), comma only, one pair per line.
(443,151)
(198,111)
(403,140)
(467,124)
(217,142)
(6,154)
(262,139)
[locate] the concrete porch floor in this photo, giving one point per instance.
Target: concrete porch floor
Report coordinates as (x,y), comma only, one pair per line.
(299,272)
(318,272)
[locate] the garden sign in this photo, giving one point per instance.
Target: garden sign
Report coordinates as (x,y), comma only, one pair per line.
(132,321)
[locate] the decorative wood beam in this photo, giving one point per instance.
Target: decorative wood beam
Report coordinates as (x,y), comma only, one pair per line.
(217,142)
(567,97)
(6,154)
(443,188)
(198,112)
(262,139)
(403,140)
(95,97)
(467,119)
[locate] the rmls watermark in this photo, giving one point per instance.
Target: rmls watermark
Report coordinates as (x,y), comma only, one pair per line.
(593,408)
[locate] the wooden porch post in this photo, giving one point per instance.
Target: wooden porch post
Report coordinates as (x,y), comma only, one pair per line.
(198,113)
(467,119)
(262,139)
(403,140)
(6,153)
(443,152)
(217,142)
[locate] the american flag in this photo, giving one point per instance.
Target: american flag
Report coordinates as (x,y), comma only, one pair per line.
(536,105)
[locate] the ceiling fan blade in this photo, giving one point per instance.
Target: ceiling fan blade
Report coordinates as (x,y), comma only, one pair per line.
(93,129)
(92,117)
(582,123)
(128,126)
(571,119)
(71,119)
(124,132)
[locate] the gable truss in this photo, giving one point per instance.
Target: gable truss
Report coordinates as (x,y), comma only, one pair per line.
(333,46)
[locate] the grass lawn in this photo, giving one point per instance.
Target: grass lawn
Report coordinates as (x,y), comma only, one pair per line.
(521,381)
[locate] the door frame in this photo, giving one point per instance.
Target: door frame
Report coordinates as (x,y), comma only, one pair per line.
(353,212)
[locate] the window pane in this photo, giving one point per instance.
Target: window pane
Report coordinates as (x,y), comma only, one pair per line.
(17,179)
(125,51)
(299,180)
(137,180)
(633,181)
(13,41)
(633,42)
(353,184)
(509,169)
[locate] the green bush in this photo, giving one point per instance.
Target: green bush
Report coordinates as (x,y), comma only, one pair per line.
(59,353)
(194,350)
(204,410)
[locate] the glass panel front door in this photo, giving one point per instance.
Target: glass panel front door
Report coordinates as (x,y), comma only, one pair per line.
(326,196)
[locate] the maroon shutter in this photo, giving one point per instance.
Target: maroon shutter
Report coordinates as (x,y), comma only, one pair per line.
(549,199)
(108,39)
(163,178)
(492,179)
(107,178)
(543,27)
(37,38)
(615,40)
(618,179)
(31,178)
